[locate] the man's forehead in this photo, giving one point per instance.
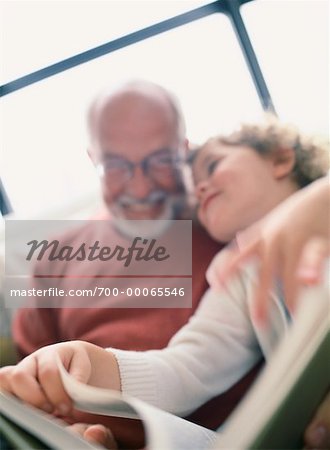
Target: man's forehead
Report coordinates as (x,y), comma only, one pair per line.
(129,103)
(125,137)
(138,98)
(136,138)
(135,148)
(134,123)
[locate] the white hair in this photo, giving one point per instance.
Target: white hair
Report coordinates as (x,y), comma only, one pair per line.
(147,89)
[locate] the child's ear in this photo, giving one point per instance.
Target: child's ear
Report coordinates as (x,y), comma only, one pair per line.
(283,162)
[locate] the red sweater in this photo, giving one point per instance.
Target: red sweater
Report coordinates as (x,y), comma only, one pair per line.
(126,328)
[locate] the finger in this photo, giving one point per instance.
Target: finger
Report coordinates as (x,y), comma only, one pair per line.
(239,257)
(229,261)
(78,428)
(75,359)
(289,263)
(317,434)
(267,269)
(5,373)
(95,434)
(317,437)
(215,272)
(101,435)
(24,384)
(311,264)
(50,380)
(80,365)
(234,260)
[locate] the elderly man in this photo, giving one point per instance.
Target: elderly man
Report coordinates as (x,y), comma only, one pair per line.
(137,136)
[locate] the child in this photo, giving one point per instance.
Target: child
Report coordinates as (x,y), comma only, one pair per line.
(238,179)
(293,241)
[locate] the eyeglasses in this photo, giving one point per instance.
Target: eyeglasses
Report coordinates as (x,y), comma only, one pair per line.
(158,166)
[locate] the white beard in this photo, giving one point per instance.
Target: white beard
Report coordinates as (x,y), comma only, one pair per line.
(146,228)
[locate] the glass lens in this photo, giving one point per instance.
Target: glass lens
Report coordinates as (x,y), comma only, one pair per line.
(160,160)
(117,169)
(161,166)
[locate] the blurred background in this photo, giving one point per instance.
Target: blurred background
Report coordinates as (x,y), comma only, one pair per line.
(43,134)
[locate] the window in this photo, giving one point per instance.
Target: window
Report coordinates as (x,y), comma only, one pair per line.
(38,33)
(292,44)
(44,124)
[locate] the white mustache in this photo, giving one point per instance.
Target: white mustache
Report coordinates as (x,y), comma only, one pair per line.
(152,198)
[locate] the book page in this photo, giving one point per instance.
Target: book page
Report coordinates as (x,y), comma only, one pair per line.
(46,428)
(163,430)
(307,344)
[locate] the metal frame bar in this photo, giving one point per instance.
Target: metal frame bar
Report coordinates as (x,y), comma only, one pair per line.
(223,6)
(233,7)
(5,206)
(111,46)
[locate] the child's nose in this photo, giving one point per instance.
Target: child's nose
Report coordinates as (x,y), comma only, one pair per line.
(200,189)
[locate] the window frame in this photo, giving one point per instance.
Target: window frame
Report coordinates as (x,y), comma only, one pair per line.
(231,8)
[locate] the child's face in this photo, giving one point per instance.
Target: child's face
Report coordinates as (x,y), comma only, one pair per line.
(234,185)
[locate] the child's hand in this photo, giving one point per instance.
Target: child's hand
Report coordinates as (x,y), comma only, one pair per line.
(98,434)
(36,379)
(291,243)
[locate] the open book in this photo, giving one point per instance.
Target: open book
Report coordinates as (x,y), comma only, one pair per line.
(27,428)
(273,415)
(281,403)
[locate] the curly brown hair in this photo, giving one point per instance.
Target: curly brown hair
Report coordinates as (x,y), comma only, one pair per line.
(271,136)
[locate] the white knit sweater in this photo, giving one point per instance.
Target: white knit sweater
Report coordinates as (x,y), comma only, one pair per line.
(220,343)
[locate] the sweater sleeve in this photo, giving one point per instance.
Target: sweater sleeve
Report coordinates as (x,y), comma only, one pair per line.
(205,358)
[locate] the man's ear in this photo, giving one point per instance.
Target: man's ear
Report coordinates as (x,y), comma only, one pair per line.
(283,162)
(90,154)
(185,147)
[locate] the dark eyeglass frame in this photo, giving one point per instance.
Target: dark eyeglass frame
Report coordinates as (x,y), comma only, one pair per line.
(173,160)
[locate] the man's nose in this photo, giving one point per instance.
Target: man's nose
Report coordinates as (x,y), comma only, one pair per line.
(139,185)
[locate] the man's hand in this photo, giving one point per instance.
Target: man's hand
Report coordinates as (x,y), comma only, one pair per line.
(98,434)
(317,434)
(36,379)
